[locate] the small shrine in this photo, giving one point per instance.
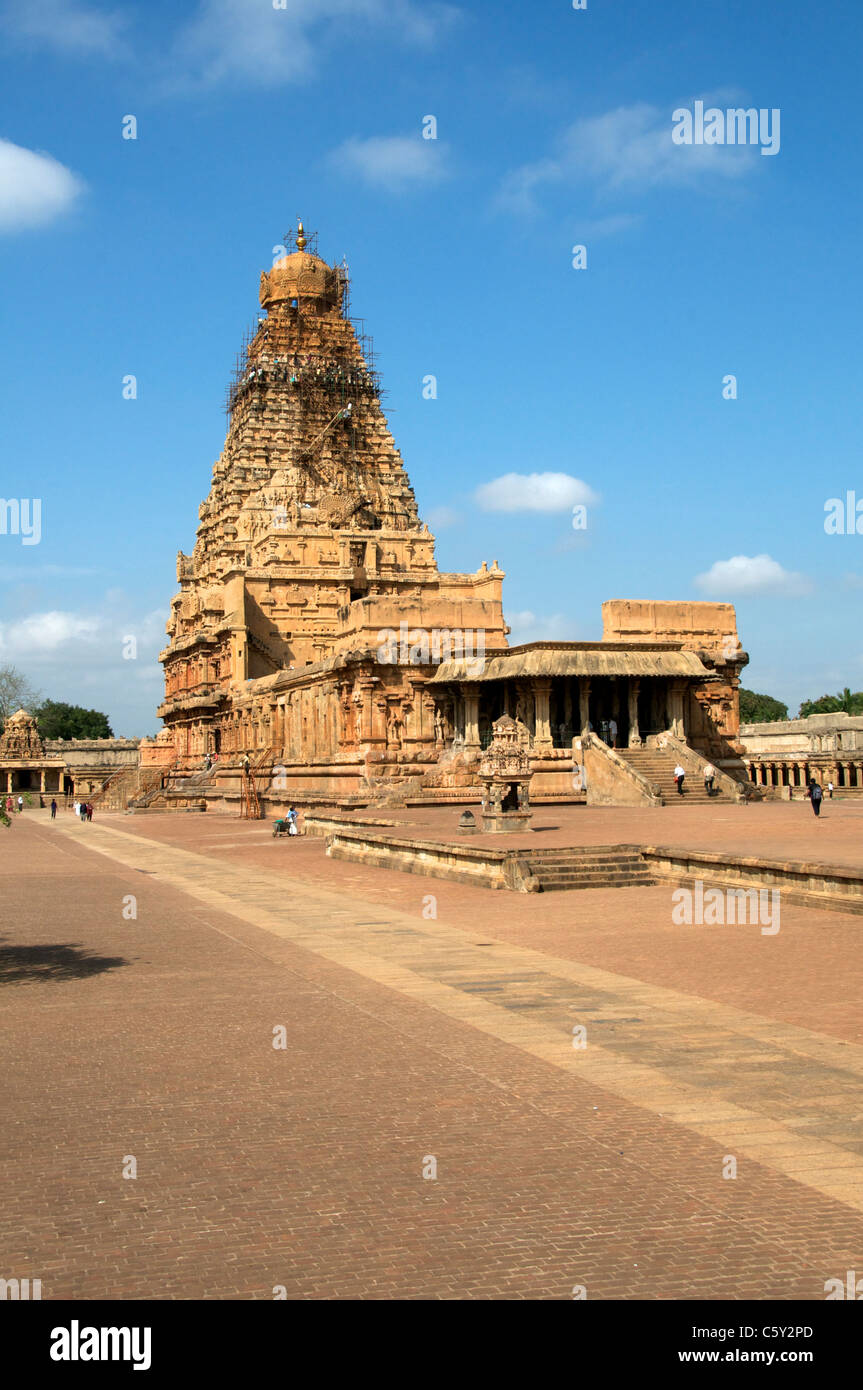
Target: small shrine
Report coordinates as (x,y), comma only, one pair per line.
(505,774)
(24,764)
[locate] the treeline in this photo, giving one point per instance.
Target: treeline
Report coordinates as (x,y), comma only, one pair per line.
(763,709)
(54,718)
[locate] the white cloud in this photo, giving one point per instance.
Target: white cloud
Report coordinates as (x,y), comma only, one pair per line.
(534,492)
(529,627)
(749,576)
(67,26)
(439,518)
(393,162)
(45,632)
(250,42)
(596,229)
(78,657)
(627,149)
(34,187)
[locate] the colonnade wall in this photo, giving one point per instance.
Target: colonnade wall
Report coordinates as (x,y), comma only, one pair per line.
(361,720)
(794,771)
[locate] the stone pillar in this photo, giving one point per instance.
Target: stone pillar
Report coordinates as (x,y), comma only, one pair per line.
(367,725)
(634,735)
(331,717)
(567,703)
(42,781)
(471,716)
(541,692)
(676,695)
(583,703)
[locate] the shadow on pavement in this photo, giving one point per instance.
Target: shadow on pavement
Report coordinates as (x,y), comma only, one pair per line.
(61,962)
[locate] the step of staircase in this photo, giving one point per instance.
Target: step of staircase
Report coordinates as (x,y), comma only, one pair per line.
(657,768)
(593,866)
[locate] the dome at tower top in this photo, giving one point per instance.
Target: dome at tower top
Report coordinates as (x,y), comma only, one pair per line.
(300,275)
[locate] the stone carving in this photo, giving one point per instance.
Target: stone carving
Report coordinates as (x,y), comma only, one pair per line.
(20,738)
(504,773)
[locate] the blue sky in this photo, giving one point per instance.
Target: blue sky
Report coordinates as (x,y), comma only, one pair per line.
(553,130)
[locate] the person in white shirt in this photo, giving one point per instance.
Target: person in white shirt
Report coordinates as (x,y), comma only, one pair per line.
(709,775)
(830,790)
(679,774)
(612,732)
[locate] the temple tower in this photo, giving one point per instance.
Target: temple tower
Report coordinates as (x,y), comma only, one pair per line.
(309,540)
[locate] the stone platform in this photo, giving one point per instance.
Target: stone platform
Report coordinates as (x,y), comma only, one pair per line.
(430,844)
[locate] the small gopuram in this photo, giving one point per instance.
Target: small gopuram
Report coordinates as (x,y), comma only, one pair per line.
(24,765)
(314,634)
(504,774)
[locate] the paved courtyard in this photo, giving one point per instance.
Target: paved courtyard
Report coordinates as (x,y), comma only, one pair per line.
(148,964)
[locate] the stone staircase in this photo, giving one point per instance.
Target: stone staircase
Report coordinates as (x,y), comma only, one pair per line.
(125,786)
(596,866)
(658,767)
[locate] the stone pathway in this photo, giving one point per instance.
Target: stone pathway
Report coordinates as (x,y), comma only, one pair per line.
(710,1068)
(302,1169)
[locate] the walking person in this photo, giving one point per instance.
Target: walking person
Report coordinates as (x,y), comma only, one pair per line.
(53,809)
(679,774)
(709,776)
(612,732)
(20,804)
(89,809)
(815,796)
(830,790)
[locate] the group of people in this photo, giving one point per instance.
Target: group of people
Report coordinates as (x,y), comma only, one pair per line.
(814,791)
(709,775)
(10,805)
(84,809)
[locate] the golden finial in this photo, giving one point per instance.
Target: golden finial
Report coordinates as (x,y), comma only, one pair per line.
(301,236)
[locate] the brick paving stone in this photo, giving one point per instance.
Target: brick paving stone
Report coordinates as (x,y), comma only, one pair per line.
(303,1167)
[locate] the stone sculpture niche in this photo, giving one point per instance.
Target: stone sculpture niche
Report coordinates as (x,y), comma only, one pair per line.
(504,772)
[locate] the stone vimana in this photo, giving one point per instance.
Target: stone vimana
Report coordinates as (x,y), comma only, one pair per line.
(315,636)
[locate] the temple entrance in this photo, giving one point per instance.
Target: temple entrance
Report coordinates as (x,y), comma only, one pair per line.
(510,801)
(653,713)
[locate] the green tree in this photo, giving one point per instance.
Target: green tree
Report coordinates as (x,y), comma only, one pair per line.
(16,692)
(58,720)
(843,703)
(760,709)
